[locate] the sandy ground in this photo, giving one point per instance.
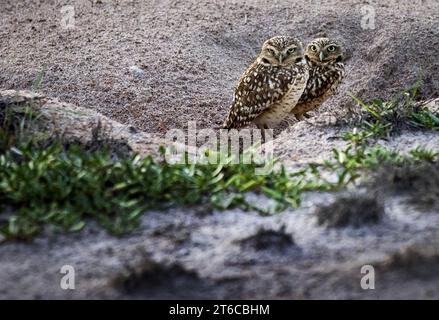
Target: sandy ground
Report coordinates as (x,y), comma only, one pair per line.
(194,254)
(189,54)
(187,57)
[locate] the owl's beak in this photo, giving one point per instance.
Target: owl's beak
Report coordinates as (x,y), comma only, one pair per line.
(281,58)
(322,56)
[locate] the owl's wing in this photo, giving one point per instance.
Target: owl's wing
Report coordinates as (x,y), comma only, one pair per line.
(258,88)
(322,83)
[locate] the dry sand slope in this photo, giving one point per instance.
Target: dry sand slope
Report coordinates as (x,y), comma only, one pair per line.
(190,54)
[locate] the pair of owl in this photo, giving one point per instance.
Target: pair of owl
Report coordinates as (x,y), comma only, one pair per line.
(286,79)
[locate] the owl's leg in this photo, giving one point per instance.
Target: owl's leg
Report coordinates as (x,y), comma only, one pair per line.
(262,127)
(302,116)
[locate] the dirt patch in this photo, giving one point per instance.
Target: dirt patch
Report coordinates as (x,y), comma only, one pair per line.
(157,281)
(420,182)
(268,240)
(421,262)
(355,210)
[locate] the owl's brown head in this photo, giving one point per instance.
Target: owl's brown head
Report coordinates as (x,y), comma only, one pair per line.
(323,51)
(281,51)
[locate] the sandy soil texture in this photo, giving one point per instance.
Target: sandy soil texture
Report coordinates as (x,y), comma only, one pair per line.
(158,64)
(195,254)
(155,65)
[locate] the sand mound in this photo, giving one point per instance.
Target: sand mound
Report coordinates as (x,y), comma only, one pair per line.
(158,64)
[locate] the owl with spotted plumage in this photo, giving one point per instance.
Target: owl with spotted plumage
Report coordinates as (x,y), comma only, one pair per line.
(270,88)
(324,58)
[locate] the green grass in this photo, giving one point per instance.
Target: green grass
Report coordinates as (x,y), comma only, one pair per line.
(382,118)
(51,184)
(65,188)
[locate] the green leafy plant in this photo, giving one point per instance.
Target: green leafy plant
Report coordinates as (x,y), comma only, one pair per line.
(66,187)
(381,118)
(422,154)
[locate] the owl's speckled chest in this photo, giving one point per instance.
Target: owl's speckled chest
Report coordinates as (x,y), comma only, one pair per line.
(293,94)
(290,93)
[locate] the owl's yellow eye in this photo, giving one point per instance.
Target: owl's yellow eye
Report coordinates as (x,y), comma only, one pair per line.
(331,48)
(291,50)
(313,48)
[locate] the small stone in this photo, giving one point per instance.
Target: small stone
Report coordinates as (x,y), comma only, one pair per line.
(137,71)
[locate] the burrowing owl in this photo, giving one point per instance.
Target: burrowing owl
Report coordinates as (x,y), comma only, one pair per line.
(326,70)
(270,88)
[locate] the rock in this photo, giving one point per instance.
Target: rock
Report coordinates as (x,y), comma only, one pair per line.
(135,70)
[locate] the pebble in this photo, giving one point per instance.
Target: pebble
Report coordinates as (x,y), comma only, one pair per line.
(137,71)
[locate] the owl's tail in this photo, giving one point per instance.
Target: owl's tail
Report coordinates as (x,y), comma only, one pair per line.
(230,121)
